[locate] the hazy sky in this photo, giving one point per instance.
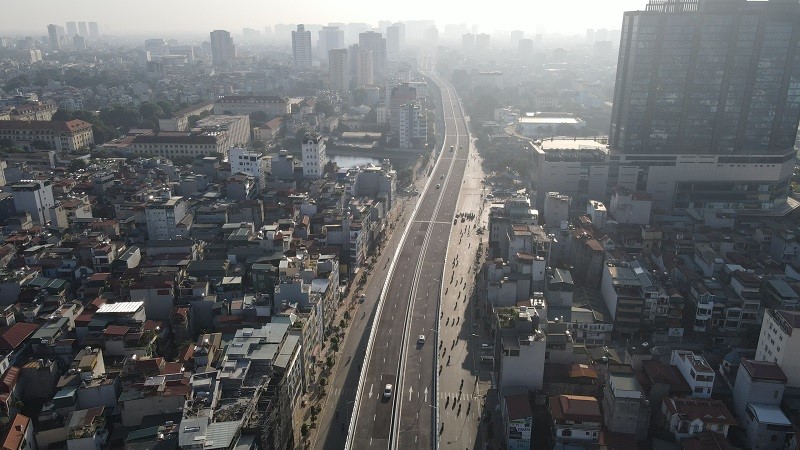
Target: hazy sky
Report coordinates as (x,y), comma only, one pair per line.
(181,16)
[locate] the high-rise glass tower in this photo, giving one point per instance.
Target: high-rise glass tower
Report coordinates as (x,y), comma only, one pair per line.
(708,77)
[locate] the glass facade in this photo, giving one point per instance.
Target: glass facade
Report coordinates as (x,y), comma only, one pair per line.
(709,77)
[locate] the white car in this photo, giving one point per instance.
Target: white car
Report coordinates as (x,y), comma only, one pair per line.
(438,186)
(441,177)
(487,346)
(387,391)
(421,340)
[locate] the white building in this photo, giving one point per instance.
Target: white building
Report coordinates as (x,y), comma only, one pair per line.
(761,382)
(412,129)
(576,420)
(314,156)
(631,207)
(301,48)
(779,343)
(696,371)
(523,347)
(174,144)
(35,197)
(163,218)
(243,160)
(339,70)
(556,209)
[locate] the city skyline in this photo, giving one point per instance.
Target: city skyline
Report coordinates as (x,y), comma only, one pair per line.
(574,16)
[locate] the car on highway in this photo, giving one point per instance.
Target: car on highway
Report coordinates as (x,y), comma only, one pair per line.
(452,148)
(441,177)
(387,391)
(487,347)
(460,147)
(438,186)
(361,298)
(421,340)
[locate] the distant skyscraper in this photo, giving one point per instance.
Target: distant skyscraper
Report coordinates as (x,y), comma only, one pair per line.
(53,37)
(483,43)
(362,65)
(250,34)
(94,31)
(330,38)
(468,43)
(431,35)
(79,42)
(338,70)
(301,48)
(708,77)
(72,29)
(375,43)
(393,43)
(353,30)
(516,36)
(223,51)
(525,47)
(82,30)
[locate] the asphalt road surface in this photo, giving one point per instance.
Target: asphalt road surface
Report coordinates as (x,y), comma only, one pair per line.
(410,309)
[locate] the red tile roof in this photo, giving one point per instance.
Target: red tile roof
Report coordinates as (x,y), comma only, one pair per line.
(16,433)
(70,126)
(705,410)
(575,407)
(10,378)
(764,370)
(518,406)
(13,336)
(115,331)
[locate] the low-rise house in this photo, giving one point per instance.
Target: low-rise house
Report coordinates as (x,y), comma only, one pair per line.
(576,420)
(684,417)
(696,371)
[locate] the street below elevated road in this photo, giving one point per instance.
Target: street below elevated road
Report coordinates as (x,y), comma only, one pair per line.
(409,308)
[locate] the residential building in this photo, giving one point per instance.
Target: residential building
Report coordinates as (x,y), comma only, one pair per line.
(625,408)
(395,40)
(175,144)
(761,382)
(522,347)
(400,95)
(685,417)
(272,106)
(330,38)
(779,343)
(517,420)
(576,420)
(20,434)
(375,43)
(696,371)
(69,136)
(556,209)
(223,50)
(412,131)
(94,31)
(767,427)
(314,156)
(630,207)
(301,48)
(339,70)
(362,65)
(35,197)
(165,218)
(246,161)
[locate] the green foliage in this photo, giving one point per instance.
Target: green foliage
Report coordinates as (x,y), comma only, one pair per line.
(16,83)
(324,107)
(118,116)
(258,116)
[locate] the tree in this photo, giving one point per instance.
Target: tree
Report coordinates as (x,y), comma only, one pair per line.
(304,431)
(324,107)
(16,83)
(118,116)
(258,116)
(360,96)
(76,164)
(40,145)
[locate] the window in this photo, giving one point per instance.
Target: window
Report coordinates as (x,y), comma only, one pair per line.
(566,432)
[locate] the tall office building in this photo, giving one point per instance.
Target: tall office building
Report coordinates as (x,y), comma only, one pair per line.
(53,37)
(482,43)
(330,38)
(708,77)
(338,70)
(400,95)
(395,37)
(82,30)
(301,48)
(376,43)
(94,31)
(707,103)
(72,29)
(223,51)
(468,43)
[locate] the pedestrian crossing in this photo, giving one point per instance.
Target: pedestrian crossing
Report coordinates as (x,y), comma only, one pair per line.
(339,392)
(457,397)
